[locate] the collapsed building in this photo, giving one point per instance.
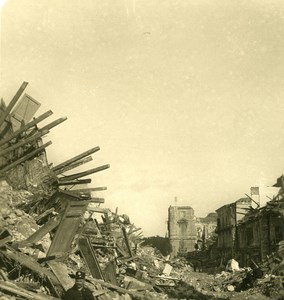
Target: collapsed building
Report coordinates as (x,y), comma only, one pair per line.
(52,222)
(250,234)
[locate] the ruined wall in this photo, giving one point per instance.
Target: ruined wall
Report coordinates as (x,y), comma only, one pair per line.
(182,231)
(260,233)
(228,217)
(206,227)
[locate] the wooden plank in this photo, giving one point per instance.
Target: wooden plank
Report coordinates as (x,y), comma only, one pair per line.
(60,270)
(75,158)
(121,251)
(82,174)
(50,125)
(95,189)
(89,256)
(97,200)
(76,195)
(68,227)
(26,127)
(74,182)
(40,233)
(98,210)
(29,262)
(127,241)
(24,158)
(23,142)
(39,218)
(16,290)
(74,165)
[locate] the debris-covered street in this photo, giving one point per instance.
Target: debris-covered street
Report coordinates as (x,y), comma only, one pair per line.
(50,233)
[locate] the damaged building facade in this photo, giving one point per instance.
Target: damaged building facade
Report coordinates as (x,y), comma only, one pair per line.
(241,230)
(250,234)
(181,228)
(228,217)
(185,230)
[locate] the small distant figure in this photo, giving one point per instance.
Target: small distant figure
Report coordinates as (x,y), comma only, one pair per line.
(197,265)
(79,291)
(196,247)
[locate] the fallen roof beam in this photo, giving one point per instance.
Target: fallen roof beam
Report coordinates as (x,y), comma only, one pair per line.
(24,158)
(74,165)
(13,102)
(26,127)
(86,195)
(97,200)
(50,125)
(103,188)
(74,182)
(82,174)
(75,158)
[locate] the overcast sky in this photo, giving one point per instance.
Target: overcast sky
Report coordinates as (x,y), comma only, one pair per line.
(185,98)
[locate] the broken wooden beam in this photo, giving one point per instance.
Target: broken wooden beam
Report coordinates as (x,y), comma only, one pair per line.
(86,196)
(82,174)
(42,216)
(98,210)
(42,231)
(103,188)
(76,158)
(29,262)
(74,182)
(74,165)
(13,102)
(26,127)
(24,158)
(16,290)
(50,125)
(89,256)
(60,270)
(81,196)
(97,200)
(126,241)
(23,142)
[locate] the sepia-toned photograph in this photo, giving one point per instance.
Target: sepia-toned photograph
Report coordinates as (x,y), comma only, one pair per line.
(141,149)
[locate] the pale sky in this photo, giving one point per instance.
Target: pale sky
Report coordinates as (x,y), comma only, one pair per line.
(185,98)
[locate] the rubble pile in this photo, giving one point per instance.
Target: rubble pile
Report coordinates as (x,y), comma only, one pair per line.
(50,228)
